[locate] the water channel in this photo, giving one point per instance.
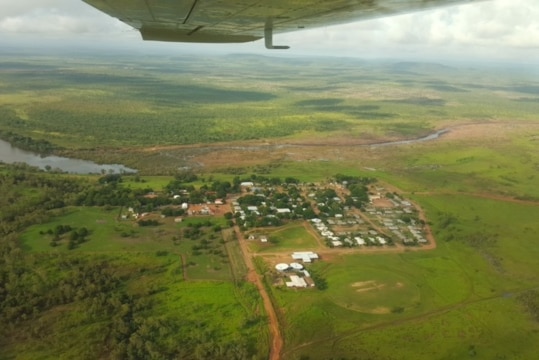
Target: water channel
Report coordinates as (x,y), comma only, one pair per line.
(10,154)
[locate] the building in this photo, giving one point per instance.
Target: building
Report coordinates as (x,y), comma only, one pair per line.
(296,281)
(305,256)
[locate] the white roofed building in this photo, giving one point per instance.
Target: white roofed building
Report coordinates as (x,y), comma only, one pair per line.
(296,281)
(305,256)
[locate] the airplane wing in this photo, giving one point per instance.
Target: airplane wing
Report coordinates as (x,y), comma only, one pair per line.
(233,21)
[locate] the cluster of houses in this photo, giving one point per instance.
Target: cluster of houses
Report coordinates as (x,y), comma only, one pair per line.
(339,217)
(267,205)
(394,218)
(298,276)
(357,237)
(380,222)
(398,220)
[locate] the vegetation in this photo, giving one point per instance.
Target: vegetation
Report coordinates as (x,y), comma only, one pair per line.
(321,102)
(40,146)
(125,304)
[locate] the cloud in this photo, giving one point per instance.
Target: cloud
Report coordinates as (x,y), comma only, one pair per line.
(48,21)
(500,28)
(489,27)
(54,17)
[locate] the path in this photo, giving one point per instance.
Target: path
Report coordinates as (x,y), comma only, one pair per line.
(254,277)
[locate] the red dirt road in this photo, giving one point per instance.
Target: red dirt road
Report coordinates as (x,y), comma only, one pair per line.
(254,277)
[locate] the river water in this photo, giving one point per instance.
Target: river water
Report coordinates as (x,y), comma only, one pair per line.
(432,136)
(10,155)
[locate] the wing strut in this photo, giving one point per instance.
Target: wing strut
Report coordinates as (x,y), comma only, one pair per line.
(268,37)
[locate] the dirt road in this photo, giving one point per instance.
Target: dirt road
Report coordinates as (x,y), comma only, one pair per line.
(254,277)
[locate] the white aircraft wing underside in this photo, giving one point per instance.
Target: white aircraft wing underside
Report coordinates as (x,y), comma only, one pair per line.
(222,21)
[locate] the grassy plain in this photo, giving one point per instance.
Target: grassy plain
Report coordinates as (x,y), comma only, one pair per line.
(108,235)
(163,109)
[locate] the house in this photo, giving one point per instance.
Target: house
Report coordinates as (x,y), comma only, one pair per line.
(247,184)
(205,211)
(359,241)
(283,211)
(264,239)
(305,256)
(296,281)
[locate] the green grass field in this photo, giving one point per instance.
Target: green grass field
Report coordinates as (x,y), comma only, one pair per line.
(109,235)
(287,238)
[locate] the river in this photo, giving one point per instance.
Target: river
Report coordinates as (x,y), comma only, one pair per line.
(432,136)
(10,155)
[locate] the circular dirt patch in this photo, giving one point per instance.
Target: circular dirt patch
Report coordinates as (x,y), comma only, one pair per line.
(376,292)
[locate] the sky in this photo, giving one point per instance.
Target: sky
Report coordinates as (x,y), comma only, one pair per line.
(495,30)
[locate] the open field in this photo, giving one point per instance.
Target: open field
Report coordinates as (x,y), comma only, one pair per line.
(286,238)
(110,235)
